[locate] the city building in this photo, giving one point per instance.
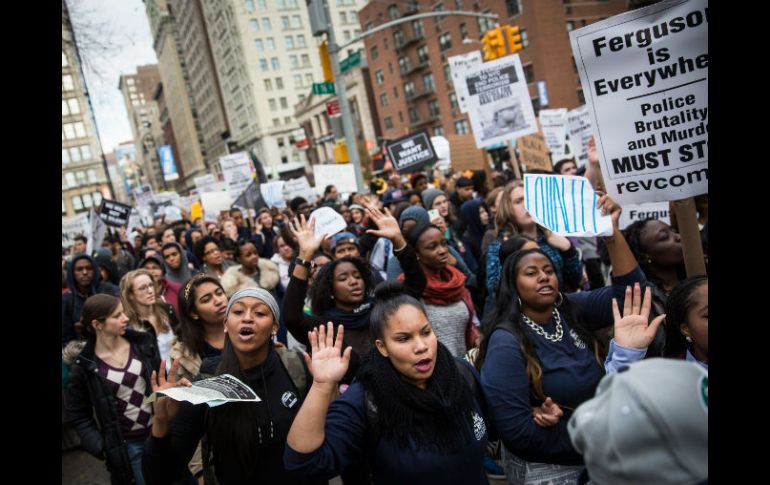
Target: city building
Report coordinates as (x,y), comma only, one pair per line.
(84,179)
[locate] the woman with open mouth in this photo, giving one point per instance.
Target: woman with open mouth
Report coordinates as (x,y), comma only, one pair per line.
(413,415)
(243,442)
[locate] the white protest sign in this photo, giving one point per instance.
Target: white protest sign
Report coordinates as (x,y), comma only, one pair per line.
(97,233)
(565,204)
(212,391)
(134,221)
(458,65)
(645,79)
(172,214)
(215,202)
(554,123)
(639,212)
(327,221)
(238,171)
(441,147)
(499,105)
(298,187)
(77,226)
(272,194)
(579,130)
(341,175)
(205,183)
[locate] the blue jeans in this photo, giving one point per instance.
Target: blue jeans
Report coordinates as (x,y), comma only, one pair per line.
(135,449)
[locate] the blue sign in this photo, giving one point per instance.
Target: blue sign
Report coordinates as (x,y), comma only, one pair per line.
(167,163)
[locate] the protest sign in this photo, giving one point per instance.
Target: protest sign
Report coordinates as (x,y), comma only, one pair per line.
(251,198)
(161,200)
(172,214)
(238,172)
(565,204)
(341,175)
(272,194)
(554,124)
(645,79)
(441,146)
(298,187)
(458,66)
(215,202)
(533,152)
(639,212)
(580,132)
(98,231)
(213,391)
(77,226)
(327,221)
(114,213)
(411,152)
(134,221)
(499,105)
(205,183)
(196,210)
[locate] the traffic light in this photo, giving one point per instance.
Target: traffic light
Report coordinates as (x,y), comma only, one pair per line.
(326,62)
(494,44)
(514,38)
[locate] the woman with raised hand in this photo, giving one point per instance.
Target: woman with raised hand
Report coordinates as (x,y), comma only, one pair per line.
(342,289)
(539,350)
(413,415)
(244,442)
(108,380)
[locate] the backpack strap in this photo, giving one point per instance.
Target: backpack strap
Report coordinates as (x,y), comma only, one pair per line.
(295,366)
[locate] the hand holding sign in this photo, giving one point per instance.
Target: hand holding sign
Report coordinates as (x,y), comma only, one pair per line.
(609,207)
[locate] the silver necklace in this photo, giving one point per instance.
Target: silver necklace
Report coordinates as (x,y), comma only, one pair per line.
(556,337)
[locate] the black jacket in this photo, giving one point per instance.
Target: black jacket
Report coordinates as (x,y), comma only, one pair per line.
(72,301)
(91,404)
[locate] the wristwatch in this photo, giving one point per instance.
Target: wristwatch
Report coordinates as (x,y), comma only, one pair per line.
(302,262)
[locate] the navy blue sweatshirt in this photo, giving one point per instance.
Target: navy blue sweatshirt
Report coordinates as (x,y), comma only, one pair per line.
(346,443)
(570,377)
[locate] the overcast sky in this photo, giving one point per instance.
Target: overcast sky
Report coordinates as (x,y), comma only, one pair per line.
(125,24)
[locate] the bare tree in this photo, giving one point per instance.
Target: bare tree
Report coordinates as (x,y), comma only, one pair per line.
(94,40)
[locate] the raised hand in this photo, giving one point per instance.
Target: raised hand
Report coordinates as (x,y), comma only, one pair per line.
(328,363)
(387,224)
(609,206)
(304,232)
(165,408)
(547,414)
(593,155)
(631,328)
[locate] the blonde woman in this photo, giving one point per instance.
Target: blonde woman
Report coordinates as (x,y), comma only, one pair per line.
(146,311)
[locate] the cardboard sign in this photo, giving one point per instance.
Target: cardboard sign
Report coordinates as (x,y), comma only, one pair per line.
(114,213)
(645,79)
(272,194)
(554,124)
(77,226)
(533,152)
(172,214)
(205,183)
(238,172)
(458,66)
(196,211)
(499,105)
(580,132)
(411,152)
(328,221)
(565,204)
(633,212)
(299,187)
(214,202)
(341,176)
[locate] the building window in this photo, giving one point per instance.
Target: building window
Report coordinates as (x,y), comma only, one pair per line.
(409,89)
(414,116)
(91,175)
(69,178)
(417,29)
(403,65)
(524,38)
(433,109)
(263,65)
(453,101)
(570,25)
(388,123)
(279,83)
(284,103)
(250,6)
(438,131)
(280,142)
(77,204)
(296,22)
(429,83)
(81,177)
(445,41)
(529,73)
(254,25)
(374,52)
(270,43)
(75,154)
(393,12)
(266,24)
(63,207)
(398,38)
(343,17)
(384,99)
(305,60)
(308,79)
(275,63)
(514,7)
(273,104)
(85,152)
(485,24)
(97,199)
(379,76)
(268,82)
(276,121)
(294,61)
(298,80)
(259,45)
(346,34)
(422,54)
(65,156)
(400,117)
(395,92)
(66,83)
(285,22)
(463,31)
(447,73)
(80,130)
(301,41)
(289,42)
(461,127)
(68,131)
(536,106)
(65,109)
(64,63)
(287,120)
(87,201)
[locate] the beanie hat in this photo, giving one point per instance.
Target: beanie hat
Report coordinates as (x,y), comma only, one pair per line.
(428,195)
(647,423)
(464,182)
(415,213)
(260,294)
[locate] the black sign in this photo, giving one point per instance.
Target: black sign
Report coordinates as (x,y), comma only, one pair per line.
(251,198)
(114,213)
(411,152)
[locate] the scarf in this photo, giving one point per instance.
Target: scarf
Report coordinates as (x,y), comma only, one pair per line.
(444,287)
(437,418)
(358,318)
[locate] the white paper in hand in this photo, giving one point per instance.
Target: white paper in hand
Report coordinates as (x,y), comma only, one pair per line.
(565,204)
(328,221)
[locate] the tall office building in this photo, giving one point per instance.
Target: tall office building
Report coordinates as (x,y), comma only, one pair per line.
(84,181)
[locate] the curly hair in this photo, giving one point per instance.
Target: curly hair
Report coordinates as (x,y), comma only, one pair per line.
(323,283)
(678,305)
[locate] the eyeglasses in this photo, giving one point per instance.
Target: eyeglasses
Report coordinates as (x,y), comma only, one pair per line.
(144,288)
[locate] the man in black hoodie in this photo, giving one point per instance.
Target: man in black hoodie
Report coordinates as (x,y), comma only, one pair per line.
(83,280)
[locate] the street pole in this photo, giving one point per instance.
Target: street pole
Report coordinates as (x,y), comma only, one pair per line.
(339,85)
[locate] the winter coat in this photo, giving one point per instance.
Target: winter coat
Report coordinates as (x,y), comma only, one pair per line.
(91,404)
(233,280)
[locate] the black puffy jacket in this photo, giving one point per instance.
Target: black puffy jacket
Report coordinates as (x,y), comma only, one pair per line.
(91,404)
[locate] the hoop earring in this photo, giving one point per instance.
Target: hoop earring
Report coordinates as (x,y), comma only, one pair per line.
(561,299)
(519,300)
